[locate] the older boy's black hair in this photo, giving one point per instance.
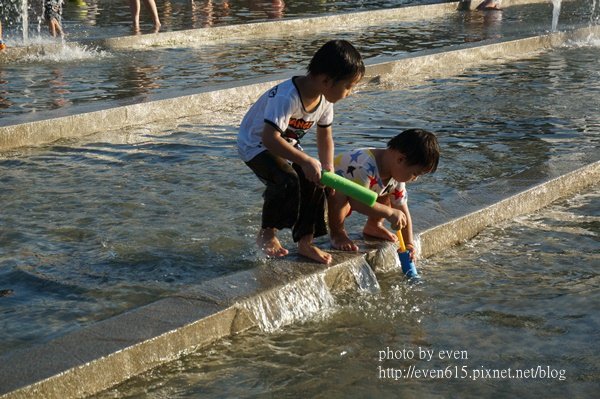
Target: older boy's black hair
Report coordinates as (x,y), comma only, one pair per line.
(339,60)
(419,146)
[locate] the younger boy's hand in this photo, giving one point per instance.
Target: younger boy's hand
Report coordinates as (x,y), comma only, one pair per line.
(411,251)
(397,219)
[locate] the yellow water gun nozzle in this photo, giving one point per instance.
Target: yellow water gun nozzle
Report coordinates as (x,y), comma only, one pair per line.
(400,241)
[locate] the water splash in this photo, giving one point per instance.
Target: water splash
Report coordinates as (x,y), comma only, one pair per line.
(365,278)
(25,20)
(590,41)
(293,302)
(68,53)
(555,13)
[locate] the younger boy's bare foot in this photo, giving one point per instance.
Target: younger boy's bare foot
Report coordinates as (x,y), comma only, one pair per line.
(310,250)
(267,241)
(378,230)
(340,240)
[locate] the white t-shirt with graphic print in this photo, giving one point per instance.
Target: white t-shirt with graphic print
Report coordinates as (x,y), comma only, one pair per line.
(282,108)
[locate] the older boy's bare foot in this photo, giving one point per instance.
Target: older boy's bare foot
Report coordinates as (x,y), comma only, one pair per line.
(378,230)
(267,241)
(340,240)
(308,249)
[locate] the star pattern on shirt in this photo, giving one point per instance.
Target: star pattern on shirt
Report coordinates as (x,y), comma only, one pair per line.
(354,156)
(371,168)
(373,181)
(350,170)
(398,194)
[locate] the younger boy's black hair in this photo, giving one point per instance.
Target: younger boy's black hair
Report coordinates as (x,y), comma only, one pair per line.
(339,60)
(420,147)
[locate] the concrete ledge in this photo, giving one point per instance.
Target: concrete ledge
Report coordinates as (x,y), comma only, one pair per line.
(441,237)
(95,358)
(285,27)
(415,69)
(404,71)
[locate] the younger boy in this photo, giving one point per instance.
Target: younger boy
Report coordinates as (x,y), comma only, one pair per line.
(268,142)
(409,155)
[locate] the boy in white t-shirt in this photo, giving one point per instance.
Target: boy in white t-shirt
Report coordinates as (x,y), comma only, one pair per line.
(385,171)
(269,143)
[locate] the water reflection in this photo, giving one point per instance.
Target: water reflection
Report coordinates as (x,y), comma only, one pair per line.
(189,68)
(483,24)
(4,94)
(193,14)
(59,89)
(137,79)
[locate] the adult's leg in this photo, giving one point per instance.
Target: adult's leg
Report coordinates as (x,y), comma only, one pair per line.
(134,5)
(151,4)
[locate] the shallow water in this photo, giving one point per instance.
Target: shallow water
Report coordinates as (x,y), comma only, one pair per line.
(91,228)
(53,84)
(108,18)
(520,296)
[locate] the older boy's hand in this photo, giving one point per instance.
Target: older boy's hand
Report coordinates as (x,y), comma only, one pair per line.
(312,170)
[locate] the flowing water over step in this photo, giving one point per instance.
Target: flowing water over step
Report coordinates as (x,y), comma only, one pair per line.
(521,296)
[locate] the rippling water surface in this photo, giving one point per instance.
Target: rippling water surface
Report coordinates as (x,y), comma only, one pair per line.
(523,295)
(106,18)
(49,84)
(94,227)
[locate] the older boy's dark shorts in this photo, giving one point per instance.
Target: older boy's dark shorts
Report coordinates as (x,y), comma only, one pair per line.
(290,200)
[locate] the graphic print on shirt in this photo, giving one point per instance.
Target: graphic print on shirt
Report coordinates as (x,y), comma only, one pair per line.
(297,128)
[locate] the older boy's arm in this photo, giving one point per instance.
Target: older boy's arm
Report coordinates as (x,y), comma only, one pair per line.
(271,138)
(325,146)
